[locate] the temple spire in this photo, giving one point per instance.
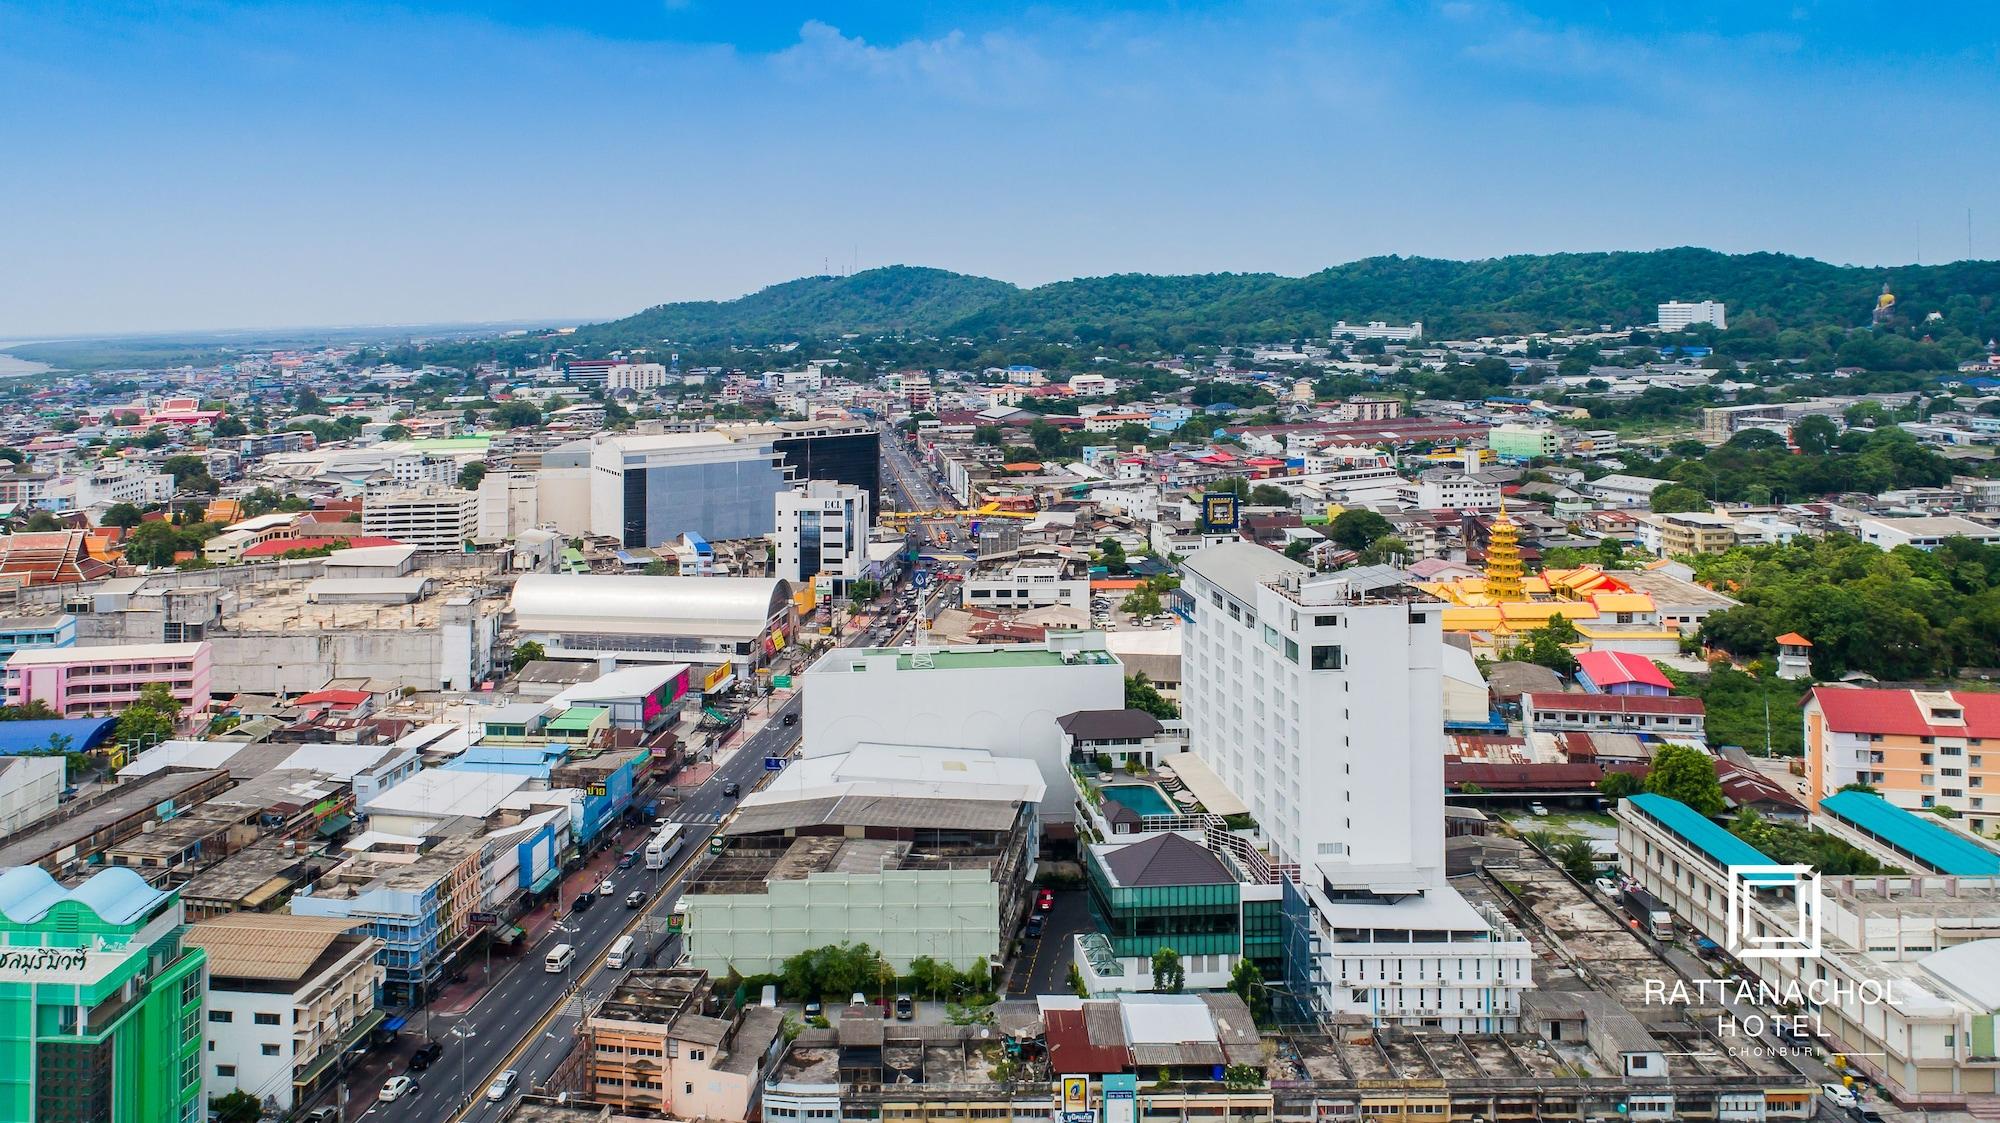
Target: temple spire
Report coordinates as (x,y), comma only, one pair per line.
(1503,560)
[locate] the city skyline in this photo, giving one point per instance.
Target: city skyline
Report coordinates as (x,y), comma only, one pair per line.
(236,166)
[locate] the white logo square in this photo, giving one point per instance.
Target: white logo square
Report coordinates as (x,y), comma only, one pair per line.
(1796,936)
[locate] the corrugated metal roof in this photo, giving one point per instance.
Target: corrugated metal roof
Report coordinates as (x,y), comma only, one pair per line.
(276,946)
(1704,835)
(1932,845)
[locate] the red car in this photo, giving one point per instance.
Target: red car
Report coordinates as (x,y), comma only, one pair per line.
(1045,900)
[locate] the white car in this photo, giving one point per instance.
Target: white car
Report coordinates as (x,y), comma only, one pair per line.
(1840,1094)
(1608,887)
(1538,810)
(397,1088)
(503,1085)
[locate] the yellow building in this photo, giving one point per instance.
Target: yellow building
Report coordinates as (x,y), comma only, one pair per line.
(1494,609)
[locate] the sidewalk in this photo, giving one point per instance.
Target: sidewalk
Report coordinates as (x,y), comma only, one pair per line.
(457,998)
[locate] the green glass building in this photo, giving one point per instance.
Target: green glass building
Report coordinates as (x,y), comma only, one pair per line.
(1168,892)
(100,1004)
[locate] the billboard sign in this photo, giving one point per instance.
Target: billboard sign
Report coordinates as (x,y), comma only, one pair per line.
(1218,513)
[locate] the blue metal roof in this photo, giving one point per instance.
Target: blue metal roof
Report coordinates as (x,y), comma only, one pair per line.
(1703,834)
(116,895)
(1929,844)
(17,737)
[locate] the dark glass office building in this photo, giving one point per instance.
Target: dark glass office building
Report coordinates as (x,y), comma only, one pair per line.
(843,453)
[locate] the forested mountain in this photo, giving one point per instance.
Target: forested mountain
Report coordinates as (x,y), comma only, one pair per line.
(1454,299)
(899,298)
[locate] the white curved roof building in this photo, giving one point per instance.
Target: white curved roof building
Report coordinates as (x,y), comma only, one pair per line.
(706,620)
(736,607)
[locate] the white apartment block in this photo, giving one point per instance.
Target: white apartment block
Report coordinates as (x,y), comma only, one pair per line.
(122,485)
(288,995)
(1676,314)
(822,531)
(1091,386)
(429,518)
(1448,489)
(1376,329)
(1026,587)
(639,378)
(1319,702)
(416,469)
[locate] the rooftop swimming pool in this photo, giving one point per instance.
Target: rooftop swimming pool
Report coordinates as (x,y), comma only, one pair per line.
(1142,798)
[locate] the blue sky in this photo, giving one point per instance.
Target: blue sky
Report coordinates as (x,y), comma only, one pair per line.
(204,164)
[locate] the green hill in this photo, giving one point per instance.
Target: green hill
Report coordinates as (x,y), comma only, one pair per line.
(1454,299)
(898,298)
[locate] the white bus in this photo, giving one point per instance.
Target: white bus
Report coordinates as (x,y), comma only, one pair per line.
(619,951)
(663,847)
(560,957)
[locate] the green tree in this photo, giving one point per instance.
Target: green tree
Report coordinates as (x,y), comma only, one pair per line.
(1549,645)
(1385,550)
(1168,973)
(151,718)
(238,1106)
(527,652)
(1618,785)
(41,522)
(1142,602)
(1671,499)
(1269,495)
(1247,982)
(124,515)
(1816,435)
(1688,775)
(1141,694)
(658,568)
(517,415)
(1112,553)
(1575,855)
(470,475)
(229,426)
(1356,527)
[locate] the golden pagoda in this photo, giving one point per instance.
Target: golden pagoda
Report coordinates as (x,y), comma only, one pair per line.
(1503,560)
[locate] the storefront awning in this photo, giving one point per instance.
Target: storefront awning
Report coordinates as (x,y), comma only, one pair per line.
(334,824)
(549,877)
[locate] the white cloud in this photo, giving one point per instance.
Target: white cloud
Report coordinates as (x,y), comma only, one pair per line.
(990,67)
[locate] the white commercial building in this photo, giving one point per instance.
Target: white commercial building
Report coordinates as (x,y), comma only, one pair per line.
(913,850)
(1319,702)
(636,377)
(287,997)
(822,531)
(1676,314)
(1924,532)
(1026,586)
(1376,329)
(30,788)
(433,518)
(1001,698)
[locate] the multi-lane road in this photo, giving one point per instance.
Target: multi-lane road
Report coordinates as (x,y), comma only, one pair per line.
(527,1018)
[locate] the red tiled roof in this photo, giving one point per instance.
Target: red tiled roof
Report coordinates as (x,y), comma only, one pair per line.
(1850,709)
(1517,777)
(1615,668)
(334,698)
(1793,639)
(277,547)
(1615,703)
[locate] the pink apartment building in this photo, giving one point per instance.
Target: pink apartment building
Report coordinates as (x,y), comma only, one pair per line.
(101,681)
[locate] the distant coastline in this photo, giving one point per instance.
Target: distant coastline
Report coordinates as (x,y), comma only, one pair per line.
(12,367)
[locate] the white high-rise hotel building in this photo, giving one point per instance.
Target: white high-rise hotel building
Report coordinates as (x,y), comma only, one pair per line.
(1318,700)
